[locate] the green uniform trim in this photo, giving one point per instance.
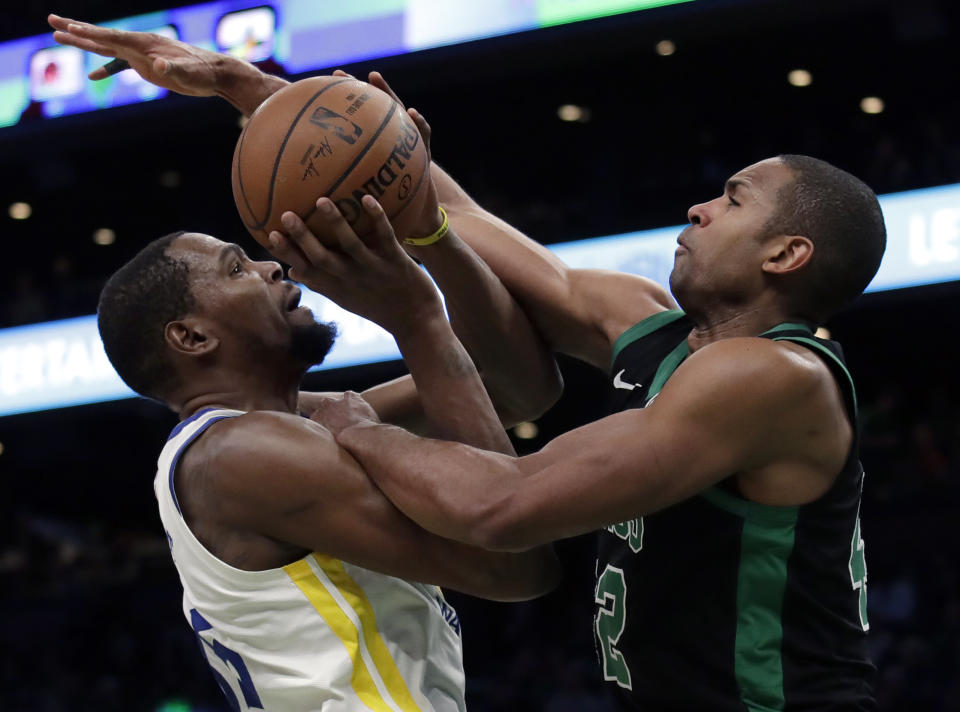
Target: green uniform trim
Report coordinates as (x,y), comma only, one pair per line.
(667,367)
(641,329)
(770,514)
(766,543)
(787,326)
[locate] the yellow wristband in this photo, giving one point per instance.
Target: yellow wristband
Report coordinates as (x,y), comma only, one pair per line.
(430,239)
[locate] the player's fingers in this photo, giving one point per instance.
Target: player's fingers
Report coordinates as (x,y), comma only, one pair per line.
(382,237)
(286,250)
(296,275)
(316,254)
(113,37)
(103,35)
(422,126)
(108,70)
(68,38)
(58,23)
(300,237)
(377,80)
(341,73)
(340,229)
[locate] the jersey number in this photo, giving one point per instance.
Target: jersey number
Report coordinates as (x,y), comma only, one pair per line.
(858,572)
(611,617)
(231,660)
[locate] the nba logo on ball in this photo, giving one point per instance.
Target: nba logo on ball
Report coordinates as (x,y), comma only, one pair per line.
(326,136)
(342,128)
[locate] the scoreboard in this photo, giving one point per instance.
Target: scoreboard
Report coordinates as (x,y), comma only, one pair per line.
(42,80)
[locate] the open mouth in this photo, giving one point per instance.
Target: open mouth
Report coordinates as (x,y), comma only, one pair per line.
(294,301)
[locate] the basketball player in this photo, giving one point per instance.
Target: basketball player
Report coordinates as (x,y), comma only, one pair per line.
(725,484)
(263,511)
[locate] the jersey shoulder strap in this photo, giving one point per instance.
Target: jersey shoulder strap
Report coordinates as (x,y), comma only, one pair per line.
(830,351)
(643,329)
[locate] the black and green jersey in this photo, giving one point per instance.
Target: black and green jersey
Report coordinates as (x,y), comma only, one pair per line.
(718,603)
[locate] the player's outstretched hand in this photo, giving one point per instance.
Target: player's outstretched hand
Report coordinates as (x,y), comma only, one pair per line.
(337,412)
(160,60)
(372,277)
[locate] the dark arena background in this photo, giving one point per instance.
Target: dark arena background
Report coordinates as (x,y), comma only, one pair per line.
(90,616)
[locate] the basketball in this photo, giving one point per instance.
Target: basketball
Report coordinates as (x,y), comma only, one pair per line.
(326,136)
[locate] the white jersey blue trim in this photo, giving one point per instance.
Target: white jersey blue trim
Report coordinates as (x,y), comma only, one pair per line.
(316,634)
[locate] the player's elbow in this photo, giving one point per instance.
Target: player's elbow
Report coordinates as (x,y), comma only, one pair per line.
(522,576)
(533,400)
(523,566)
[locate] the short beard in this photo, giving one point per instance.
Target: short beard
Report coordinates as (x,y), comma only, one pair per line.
(312,342)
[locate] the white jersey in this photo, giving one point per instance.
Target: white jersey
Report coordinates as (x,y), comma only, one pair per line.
(317,634)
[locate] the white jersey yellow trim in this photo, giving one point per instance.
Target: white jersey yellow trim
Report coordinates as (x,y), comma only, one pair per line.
(345,608)
(316,635)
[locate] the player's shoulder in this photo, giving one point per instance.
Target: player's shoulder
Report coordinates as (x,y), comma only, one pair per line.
(263,462)
(262,440)
(755,364)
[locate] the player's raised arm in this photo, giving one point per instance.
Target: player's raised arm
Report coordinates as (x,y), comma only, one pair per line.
(169,63)
(523,391)
(578,312)
(284,478)
(359,277)
(565,305)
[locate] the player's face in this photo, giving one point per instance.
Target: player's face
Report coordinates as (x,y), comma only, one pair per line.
(719,254)
(252,306)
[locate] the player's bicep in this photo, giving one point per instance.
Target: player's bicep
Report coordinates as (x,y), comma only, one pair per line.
(300,488)
(605,304)
(579,312)
(291,482)
(708,422)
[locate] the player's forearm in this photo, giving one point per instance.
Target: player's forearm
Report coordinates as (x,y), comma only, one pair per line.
(534,276)
(518,368)
(448,488)
(598,474)
(245,86)
(452,396)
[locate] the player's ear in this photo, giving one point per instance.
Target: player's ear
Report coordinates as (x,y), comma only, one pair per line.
(787,253)
(190,337)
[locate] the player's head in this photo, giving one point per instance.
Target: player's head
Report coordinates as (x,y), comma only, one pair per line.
(793,229)
(188,305)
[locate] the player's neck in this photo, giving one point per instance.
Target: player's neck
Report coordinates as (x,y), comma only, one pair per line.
(240,396)
(709,328)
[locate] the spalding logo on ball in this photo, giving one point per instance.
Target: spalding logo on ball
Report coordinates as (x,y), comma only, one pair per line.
(326,136)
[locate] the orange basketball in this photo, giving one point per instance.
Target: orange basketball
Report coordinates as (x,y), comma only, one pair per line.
(326,136)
